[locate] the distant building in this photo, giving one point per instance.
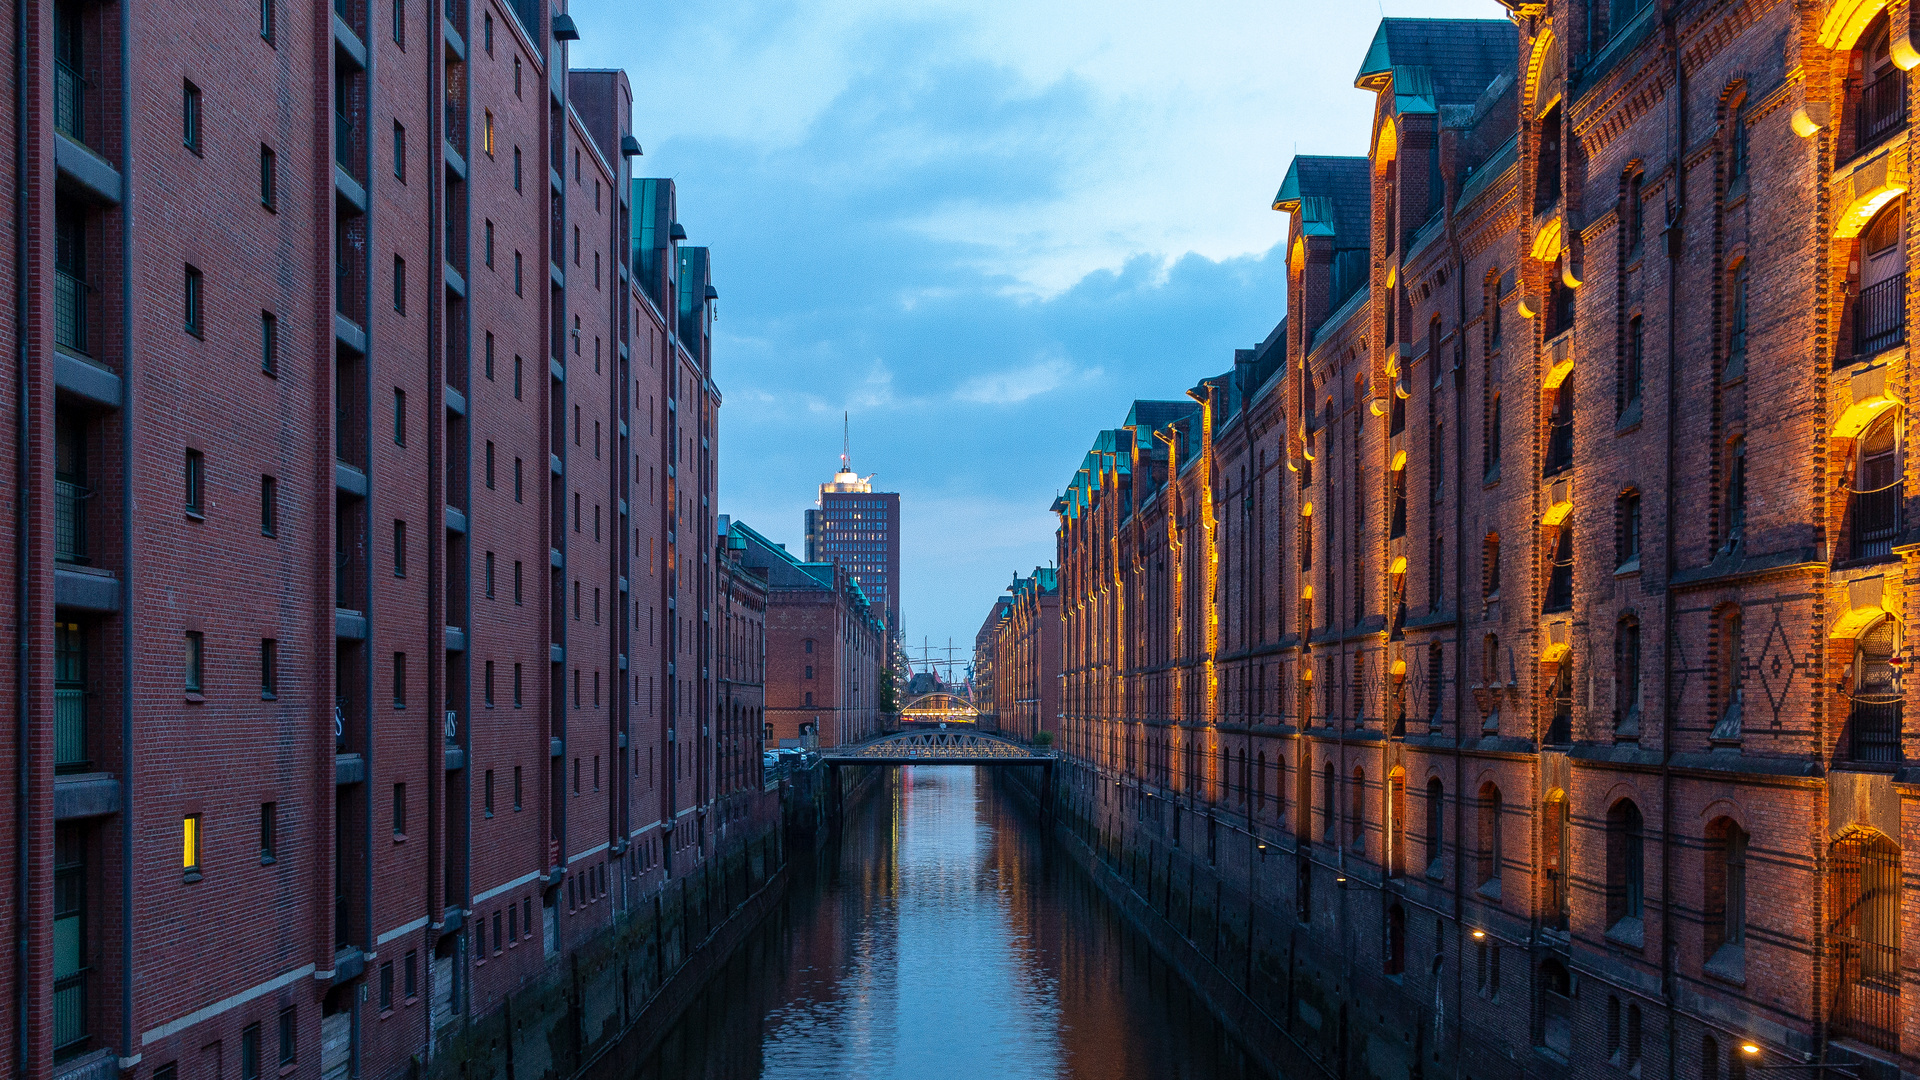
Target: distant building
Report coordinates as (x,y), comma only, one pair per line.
(859,528)
(740,647)
(1027,644)
(826,647)
(983,660)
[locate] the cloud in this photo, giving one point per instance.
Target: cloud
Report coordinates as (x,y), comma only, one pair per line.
(982,227)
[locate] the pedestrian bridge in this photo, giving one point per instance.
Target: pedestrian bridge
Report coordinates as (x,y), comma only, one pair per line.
(934,746)
(939,708)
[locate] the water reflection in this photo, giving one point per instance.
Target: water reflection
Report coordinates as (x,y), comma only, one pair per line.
(942,939)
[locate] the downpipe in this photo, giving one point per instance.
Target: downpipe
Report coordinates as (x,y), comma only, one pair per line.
(22,621)
(1676,240)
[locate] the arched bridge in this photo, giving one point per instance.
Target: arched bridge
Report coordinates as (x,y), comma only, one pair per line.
(932,746)
(939,707)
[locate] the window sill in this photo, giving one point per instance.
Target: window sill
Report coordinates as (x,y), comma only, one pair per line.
(399,838)
(268,695)
(1629,568)
(268,860)
(1629,417)
(1728,964)
(190,877)
(195,515)
(1630,932)
(195,698)
(1490,889)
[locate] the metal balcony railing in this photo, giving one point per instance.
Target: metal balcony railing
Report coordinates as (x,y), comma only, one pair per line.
(69,1012)
(1559,447)
(69,102)
(70,311)
(70,521)
(70,730)
(1881,109)
(1867,998)
(1880,316)
(1876,729)
(1876,520)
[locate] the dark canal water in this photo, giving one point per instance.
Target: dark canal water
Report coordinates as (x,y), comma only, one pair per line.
(944,939)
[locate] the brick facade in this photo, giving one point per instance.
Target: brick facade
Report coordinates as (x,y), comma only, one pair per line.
(1536,589)
(400,685)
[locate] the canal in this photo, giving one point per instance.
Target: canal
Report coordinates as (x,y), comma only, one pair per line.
(940,937)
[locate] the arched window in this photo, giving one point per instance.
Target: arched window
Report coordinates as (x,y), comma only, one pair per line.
(1730,667)
(1560,571)
(1560,721)
(1737,320)
(1874,505)
(1560,430)
(1357,811)
(1436,827)
(1709,1058)
(1880,316)
(1726,894)
(1877,92)
(1396,800)
(1396,958)
(1487,860)
(1626,676)
(1863,887)
(1736,519)
(1626,868)
(1875,715)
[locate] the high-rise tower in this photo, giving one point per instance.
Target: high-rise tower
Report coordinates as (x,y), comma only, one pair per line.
(860,527)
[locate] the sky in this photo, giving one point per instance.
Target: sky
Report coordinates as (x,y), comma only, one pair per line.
(980,229)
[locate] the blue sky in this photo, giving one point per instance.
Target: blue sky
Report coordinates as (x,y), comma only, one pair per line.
(983,228)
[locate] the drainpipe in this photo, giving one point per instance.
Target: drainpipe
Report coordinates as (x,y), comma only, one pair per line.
(21,616)
(127,442)
(1675,239)
(1459,594)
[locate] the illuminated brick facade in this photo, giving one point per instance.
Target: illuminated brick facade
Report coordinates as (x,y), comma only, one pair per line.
(1542,576)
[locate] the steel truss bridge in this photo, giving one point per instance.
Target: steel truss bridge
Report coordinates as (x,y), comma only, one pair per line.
(936,746)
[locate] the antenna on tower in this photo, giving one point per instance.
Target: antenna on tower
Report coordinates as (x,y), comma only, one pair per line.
(846,441)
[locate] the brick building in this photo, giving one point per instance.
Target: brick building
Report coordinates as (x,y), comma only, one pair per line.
(1530,603)
(1026,645)
(825,647)
(982,682)
(740,632)
(367,715)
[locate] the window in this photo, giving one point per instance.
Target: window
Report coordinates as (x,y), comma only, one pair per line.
(288,1043)
(1737,151)
(1626,677)
(1634,213)
(1625,866)
(400,23)
(519,289)
(516,79)
(399,152)
(266,34)
(486,33)
(1436,828)
(195,661)
(269,506)
(1396,957)
(269,833)
(519,486)
(489,575)
(1487,862)
(1731,672)
(1627,514)
(399,680)
(486,133)
(516,769)
(1490,567)
(489,465)
(250,1052)
(1863,887)
(516,150)
(518,575)
(269,343)
(517,367)
(1492,452)
(190,846)
(1737,323)
(399,417)
(269,175)
(1396,815)
(386,986)
(190,117)
(1736,492)
(399,811)
(194,303)
(196,481)
(399,285)
(489,785)
(412,985)
(269,669)
(1547,178)
(1726,887)
(489,259)
(1633,380)
(399,549)
(1560,572)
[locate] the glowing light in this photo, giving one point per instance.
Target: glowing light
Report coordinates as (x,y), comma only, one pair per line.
(1479,934)
(1749,1048)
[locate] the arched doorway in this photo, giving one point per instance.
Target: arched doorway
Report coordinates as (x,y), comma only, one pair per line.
(1863,891)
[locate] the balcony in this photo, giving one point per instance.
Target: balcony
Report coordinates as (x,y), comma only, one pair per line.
(70,1014)
(70,312)
(70,521)
(1876,520)
(69,103)
(1875,722)
(1880,316)
(1880,110)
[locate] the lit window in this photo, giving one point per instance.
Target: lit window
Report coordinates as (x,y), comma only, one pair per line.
(190,846)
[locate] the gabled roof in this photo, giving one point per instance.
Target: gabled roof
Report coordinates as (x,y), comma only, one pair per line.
(1158,414)
(1334,196)
(783,570)
(1437,62)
